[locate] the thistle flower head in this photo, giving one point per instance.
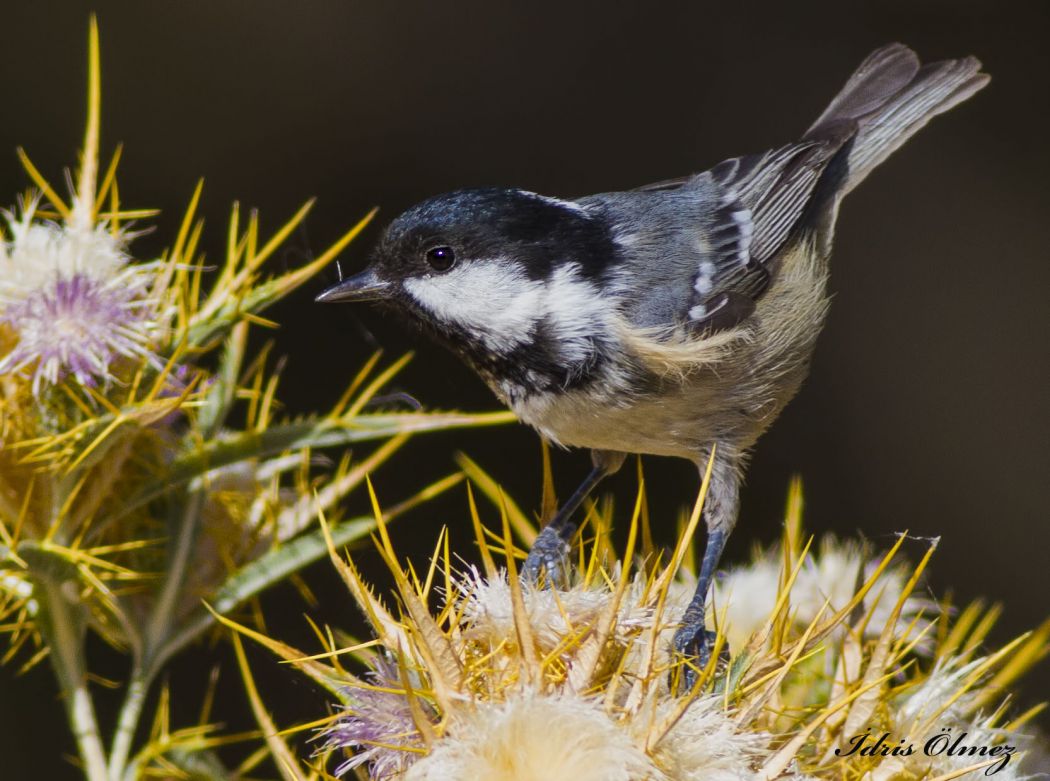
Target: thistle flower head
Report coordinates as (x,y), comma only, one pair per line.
(487,607)
(74,302)
(705,743)
(528,736)
(513,683)
(378,725)
(831,575)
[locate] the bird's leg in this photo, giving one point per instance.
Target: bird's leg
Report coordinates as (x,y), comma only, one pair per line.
(549,551)
(551,547)
(693,642)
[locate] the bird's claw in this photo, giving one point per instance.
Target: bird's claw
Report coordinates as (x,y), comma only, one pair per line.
(692,646)
(547,557)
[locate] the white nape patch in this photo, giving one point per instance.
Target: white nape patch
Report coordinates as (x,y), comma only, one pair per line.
(575,308)
(492,299)
(698,312)
(559,202)
(632,239)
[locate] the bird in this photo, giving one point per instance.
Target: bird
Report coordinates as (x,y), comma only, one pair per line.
(673,319)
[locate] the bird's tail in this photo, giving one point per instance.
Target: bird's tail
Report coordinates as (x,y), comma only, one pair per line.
(888,99)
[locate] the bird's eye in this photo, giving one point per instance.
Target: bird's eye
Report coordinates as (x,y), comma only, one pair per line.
(441,258)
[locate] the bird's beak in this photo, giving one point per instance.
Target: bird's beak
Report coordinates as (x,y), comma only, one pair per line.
(360,287)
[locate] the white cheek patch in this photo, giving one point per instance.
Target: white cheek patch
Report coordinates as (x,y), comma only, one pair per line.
(490,298)
(501,307)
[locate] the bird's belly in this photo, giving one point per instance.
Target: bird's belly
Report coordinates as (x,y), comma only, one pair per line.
(674,424)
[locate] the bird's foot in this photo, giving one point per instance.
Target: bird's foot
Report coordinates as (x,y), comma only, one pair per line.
(548,559)
(692,647)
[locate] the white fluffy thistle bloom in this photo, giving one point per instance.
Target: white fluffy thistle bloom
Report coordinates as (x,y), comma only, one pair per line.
(832,574)
(552,614)
(74,301)
(534,737)
(705,743)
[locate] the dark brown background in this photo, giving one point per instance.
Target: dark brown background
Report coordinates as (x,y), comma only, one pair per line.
(926,409)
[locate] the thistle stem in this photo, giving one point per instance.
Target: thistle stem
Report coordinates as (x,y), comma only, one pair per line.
(157,634)
(67,658)
(164,609)
(128,721)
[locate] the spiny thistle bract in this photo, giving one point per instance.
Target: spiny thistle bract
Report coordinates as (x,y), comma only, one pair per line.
(143,463)
(832,647)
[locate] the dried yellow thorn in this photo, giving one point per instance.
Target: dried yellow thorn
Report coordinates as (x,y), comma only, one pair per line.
(83,213)
(107,182)
(287,762)
(373,387)
(349,649)
(479,535)
(522,627)
(41,182)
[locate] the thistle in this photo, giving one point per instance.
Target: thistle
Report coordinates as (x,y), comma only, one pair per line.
(74,302)
(508,681)
(127,494)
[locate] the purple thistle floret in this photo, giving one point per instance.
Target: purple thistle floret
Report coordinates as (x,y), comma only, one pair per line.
(378,726)
(76,326)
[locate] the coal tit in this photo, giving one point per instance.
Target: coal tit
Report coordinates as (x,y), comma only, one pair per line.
(675,319)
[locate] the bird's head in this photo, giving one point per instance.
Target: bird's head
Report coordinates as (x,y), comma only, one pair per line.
(484,267)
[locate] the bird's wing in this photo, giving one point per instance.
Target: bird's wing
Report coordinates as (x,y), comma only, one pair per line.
(761,200)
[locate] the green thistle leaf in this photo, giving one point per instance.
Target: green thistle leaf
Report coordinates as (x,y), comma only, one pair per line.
(295,437)
(268,570)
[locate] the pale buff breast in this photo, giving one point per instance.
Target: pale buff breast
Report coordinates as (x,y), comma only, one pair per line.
(725,388)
